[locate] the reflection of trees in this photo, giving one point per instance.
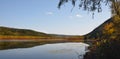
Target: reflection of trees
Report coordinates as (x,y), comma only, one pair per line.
(21,44)
(109,49)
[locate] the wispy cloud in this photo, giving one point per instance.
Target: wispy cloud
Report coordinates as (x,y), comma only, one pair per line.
(75,16)
(49,13)
(78,15)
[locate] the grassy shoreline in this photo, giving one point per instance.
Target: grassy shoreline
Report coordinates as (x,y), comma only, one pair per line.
(41,39)
(24,37)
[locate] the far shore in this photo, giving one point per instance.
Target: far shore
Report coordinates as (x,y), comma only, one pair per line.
(38,38)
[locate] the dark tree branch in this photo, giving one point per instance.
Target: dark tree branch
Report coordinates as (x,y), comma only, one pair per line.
(94,5)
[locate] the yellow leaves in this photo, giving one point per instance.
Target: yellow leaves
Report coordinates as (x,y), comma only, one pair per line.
(116,19)
(113,36)
(108,28)
(97,43)
(104,41)
(111,30)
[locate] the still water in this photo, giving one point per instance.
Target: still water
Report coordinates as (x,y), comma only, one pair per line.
(45,51)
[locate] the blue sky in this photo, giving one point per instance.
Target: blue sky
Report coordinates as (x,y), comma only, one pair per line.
(44,16)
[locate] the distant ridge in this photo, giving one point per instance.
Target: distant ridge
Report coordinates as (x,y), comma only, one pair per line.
(20,32)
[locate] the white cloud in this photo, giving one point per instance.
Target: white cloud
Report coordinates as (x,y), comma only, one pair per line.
(49,13)
(78,15)
(75,16)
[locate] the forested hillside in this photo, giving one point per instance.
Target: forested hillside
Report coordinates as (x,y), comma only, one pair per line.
(107,44)
(108,30)
(19,32)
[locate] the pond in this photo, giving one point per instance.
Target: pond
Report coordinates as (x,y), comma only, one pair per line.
(35,50)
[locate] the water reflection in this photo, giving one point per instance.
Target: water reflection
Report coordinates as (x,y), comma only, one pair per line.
(13,45)
(40,51)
